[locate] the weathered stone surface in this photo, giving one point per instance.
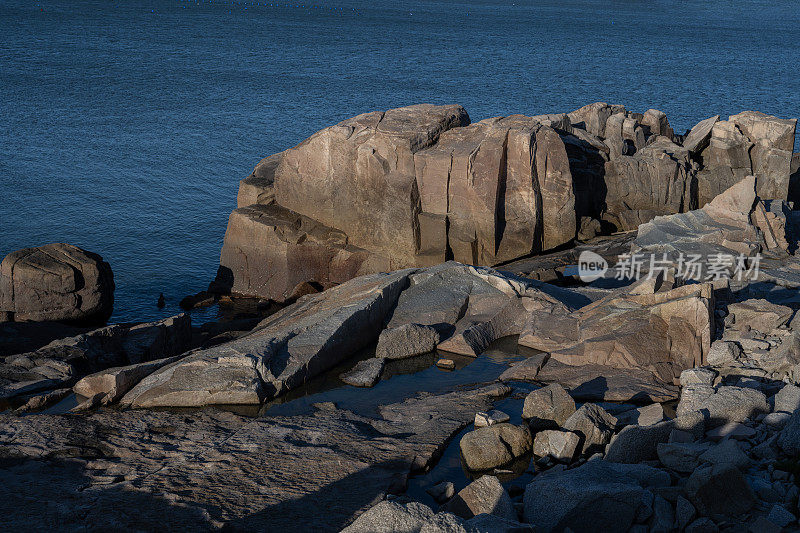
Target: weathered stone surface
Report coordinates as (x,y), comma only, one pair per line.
(724,353)
(491,418)
(697,139)
(681,456)
(56,282)
(723,404)
(527,369)
(598,496)
(547,407)
(483,496)
(63,361)
(728,452)
(560,445)
(597,383)
(365,374)
(113,383)
(697,376)
(759,314)
(285,350)
(789,439)
(719,489)
(493,446)
(211,469)
(661,332)
(594,425)
(787,399)
(407,340)
(657,180)
(635,444)
(642,416)
(268,250)
(258,188)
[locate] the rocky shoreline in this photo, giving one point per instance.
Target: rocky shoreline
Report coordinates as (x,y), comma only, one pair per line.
(488,385)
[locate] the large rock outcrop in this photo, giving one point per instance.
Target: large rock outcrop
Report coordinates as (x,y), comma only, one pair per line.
(419,185)
(57,282)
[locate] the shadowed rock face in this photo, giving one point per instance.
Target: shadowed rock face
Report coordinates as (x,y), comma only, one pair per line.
(56,282)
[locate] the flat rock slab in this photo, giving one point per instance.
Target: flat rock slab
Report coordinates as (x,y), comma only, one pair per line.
(365,374)
(605,383)
(148,470)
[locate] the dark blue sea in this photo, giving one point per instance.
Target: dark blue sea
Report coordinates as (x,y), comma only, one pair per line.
(126,125)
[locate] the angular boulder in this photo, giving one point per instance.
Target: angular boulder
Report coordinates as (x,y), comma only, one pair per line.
(57,282)
(494,446)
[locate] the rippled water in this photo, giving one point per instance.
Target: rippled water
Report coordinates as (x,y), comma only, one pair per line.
(126,125)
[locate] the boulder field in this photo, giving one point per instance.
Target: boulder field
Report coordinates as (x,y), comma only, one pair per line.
(419,185)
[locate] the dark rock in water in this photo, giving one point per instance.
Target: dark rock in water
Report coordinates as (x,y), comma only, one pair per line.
(21,337)
(484,495)
(161,301)
(57,282)
(365,374)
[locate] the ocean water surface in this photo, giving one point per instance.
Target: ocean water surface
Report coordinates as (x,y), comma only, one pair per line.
(126,125)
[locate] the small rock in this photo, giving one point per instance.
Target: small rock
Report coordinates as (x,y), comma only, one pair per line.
(548,407)
(491,418)
(485,495)
(494,446)
(643,416)
(697,376)
(594,425)
(366,373)
(702,525)
(724,353)
(777,419)
(726,452)
(560,445)
(789,439)
(446,364)
(787,399)
(407,340)
(731,430)
(681,457)
(441,492)
(684,513)
(635,444)
(663,516)
(719,489)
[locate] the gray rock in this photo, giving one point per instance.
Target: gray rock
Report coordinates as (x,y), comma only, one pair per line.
(115,382)
(493,446)
(684,513)
(635,444)
(407,340)
(594,425)
(723,404)
(488,523)
(731,430)
(548,407)
(389,517)
(284,351)
(597,496)
(727,452)
(491,418)
(724,353)
(366,373)
(776,420)
(698,137)
(719,489)
(697,376)
(560,445)
(681,457)
(441,492)
(663,516)
(527,369)
(789,439)
(787,399)
(642,416)
(779,516)
(484,495)
(702,525)
(57,282)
